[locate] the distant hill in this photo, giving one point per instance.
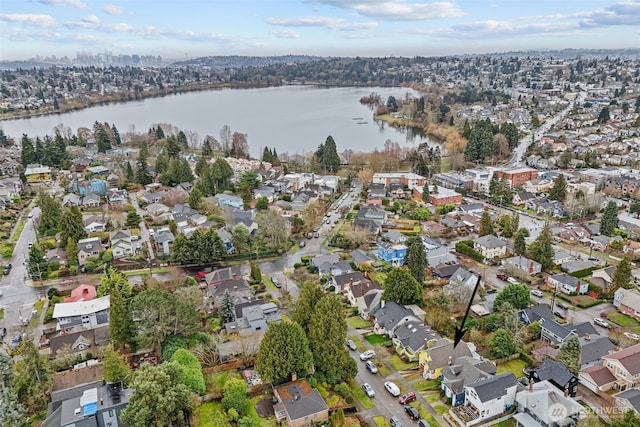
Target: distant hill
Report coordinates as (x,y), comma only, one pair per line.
(246,61)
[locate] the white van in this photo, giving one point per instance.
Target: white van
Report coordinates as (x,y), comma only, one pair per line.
(537,293)
(512,281)
(392,388)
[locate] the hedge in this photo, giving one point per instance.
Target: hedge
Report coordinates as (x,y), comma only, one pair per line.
(464,249)
(585,272)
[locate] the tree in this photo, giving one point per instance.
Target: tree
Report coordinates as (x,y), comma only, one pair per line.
(570,354)
(256,274)
(501,345)
(159,314)
(116,367)
(133,219)
(565,160)
(559,189)
(195,197)
(515,294)
(401,287)
(621,278)
(160,398)
(416,258)
(71,226)
(519,244)
(234,395)
(121,324)
(193,377)
(542,248)
(327,155)
(284,351)
(310,295)
(36,263)
(34,377)
(227,308)
(12,413)
(630,419)
(327,335)
(442,300)
(486,227)
(51,214)
(515,222)
(604,115)
(425,192)
(72,252)
(262,203)
(609,220)
(112,278)
(272,229)
(240,239)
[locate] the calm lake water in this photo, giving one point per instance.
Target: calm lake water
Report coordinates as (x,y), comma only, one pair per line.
(293,119)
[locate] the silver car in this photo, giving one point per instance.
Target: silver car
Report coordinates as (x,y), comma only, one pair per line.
(368,389)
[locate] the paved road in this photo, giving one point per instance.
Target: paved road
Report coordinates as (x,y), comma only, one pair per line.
(144,232)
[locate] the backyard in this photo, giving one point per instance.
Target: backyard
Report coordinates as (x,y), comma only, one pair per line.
(514,366)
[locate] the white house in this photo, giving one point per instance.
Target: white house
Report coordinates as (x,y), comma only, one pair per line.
(491,396)
(535,407)
(121,245)
(490,246)
(85,314)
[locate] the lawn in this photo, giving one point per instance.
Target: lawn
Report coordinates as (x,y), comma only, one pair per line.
(215,381)
(515,366)
(383,369)
(212,415)
(623,320)
(426,385)
(376,339)
(360,395)
(267,281)
(381,421)
(399,365)
(358,322)
(506,423)
(431,396)
(18,231)
(424,414)
(257,421)
(440,409)
(34,321)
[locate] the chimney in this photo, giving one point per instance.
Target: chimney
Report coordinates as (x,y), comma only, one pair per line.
(101,401)
(450,360)
(566,393)
(294,376)
(351,282)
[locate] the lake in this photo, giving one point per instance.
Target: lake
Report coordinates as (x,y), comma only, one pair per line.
(293,119)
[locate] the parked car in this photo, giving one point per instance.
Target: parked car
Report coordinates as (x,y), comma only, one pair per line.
(201,276)
(276,282)
(423,423)
(513,281)
(371,367)
(537,293)
(395,422)
(392,388)
(412,412)
(316,234)
(601,322)
(15,341)
(302,244)
(3,333)
(406,398)
(632,336)
(30,245)
(562,306)
(502,276)
(368,389)
(367,355)
(351,345)
(559,314)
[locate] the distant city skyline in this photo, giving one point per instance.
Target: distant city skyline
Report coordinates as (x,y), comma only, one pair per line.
(187,29)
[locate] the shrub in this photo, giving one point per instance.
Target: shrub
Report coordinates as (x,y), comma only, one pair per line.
(343,390)
(193,377)
(313,382)
(170,345)
(232,414)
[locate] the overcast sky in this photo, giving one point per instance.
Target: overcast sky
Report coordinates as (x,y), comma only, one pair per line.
(187,28)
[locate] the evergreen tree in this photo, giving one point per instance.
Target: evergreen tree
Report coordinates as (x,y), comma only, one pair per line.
(327,155)
(401,287)
(142,174)
(28,155)
(121,324)
(621,278)
(129,176)
(116,134)
(327,335)
(604,115)
(501,345)
(34,377)
(227,308)
(51,214)
(416,258)
(72,252)
(116,367)
(284,351)
(519,244)
(486,227)
(493,183)
(609,220)
(570,354)
(425,192)
(310,294)
(559,189)
(71,226)
(133,219)
(195,198)
(515,222)
(12,413)
(542,248)
(207,151)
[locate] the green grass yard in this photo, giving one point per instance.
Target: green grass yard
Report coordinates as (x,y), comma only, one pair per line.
(424,414)
(515,366)
(374,339)
(360,395)
(400,365)
(212,415)
(381,421)
(257,421)
(358,322)
(623,320)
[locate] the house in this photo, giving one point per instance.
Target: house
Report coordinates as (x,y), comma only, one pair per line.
(392,253)
(445,271)
(490,246)
(408,179)
(560,257)
(91,200)
(436,253)
(237,287)
(71,199)
(98,170)
(80,340)
(390,316)
(299,404)
(535,404)
(363,294)
(437,356)
(90,247)
(360,257)
(246,218)
(82,293)
(632,248)
(37,173)
(159,212)
(226,239)
(463,371)
(522,197)
(535,314)
(557,374)
(343,281)
(567,284)
(593,348)
(491,396)
(164,238)
(628,400)
(596,378)
(94,223)
(461,283)
(336,270)
(370,218)
(121,245)
(603,277)
(254,317)
(395,237)
(413,337)
(225,200)
(117,197)
(601,243)
(85,314)
(624,365)
(524,264)
(627,301)
(300,201)
(557,334)
(58,255)
(475,209)
(98,406)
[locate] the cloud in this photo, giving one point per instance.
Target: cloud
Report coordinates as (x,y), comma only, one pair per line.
(286,34)
(91,19)
(92,22)
(29,18)
(621,13)
(400,10)
(494,29)
(155,33)
(71,3)
(111,9)
(320,21)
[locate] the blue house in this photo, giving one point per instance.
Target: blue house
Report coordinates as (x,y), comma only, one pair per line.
(393,253)
(225,200)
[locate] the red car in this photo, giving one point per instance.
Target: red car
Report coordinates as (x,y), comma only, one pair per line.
(200,276)
(406,398)
(502,276)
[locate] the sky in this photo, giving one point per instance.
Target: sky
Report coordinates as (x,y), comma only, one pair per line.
(182,29)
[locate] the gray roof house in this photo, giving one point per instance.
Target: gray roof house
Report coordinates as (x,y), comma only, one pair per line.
(593,348)
(534,406)
(121,245)
(461,284)
(556,333)
(299,404)
(164,238)
(82,314)
(524,264)
(463,371)
(390,316)
(413,337)
(490,246)
(491,396)
(90,247)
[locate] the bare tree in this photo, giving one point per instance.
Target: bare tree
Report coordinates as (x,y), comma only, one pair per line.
(247,346)
(225,138)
